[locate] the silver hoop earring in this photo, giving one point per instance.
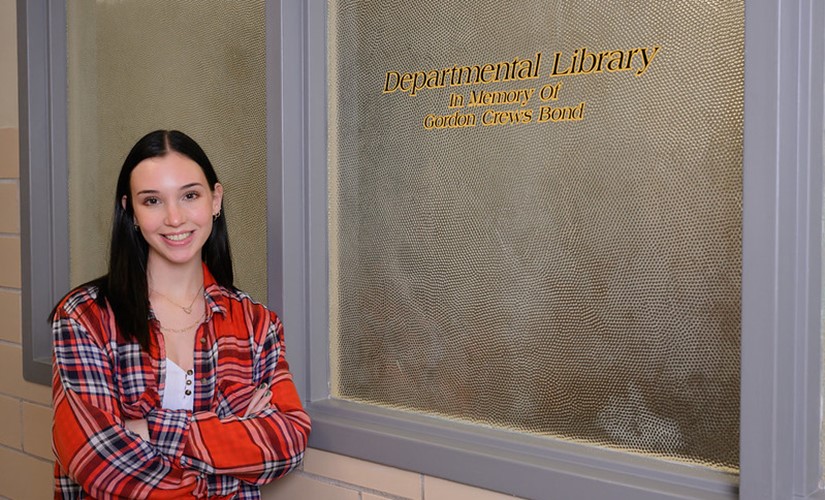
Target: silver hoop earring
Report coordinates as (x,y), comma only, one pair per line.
(216,215)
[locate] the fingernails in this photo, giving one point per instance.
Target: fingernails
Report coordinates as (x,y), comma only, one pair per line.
(268,394)
(263,386)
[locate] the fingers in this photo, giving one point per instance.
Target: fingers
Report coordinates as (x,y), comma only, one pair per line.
(260,400)
(139,427)
(257,396)
(263,403)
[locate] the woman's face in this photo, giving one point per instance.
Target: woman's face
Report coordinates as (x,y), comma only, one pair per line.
(173,207)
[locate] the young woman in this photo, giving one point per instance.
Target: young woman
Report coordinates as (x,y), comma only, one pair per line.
(168,382)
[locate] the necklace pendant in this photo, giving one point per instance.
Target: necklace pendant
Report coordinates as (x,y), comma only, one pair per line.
(187,310)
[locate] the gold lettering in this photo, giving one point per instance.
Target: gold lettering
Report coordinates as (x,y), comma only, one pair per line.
(562,114)
(585,62)
(492,117)
(615,62)
(455,120)
(550,92)
(582,61)
(432,80)
(556,71)
(645,60)
(389,88)
(485,98)
(456,101)
(412,83)
(630,54)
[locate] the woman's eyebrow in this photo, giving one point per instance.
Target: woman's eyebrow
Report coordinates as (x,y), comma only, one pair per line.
(182,188)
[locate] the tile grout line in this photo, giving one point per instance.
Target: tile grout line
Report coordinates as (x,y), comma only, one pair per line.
(26,453)
(352,486)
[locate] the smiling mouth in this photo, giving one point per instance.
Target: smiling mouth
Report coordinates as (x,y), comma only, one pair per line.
(177,237)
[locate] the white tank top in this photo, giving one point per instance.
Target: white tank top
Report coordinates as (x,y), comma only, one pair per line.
(180,388)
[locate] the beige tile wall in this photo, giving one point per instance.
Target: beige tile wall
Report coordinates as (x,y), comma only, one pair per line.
(25,409)
(25,413)
(8,64)
(330,476)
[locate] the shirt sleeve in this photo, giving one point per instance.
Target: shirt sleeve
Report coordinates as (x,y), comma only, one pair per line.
(89,439)
(255,450)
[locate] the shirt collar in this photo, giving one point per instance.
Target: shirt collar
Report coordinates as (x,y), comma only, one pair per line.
(217,300)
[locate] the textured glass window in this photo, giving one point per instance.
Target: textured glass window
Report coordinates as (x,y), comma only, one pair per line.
(535,217)
(196,66)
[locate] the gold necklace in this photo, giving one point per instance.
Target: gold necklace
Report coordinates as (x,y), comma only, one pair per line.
(187,310)
(184,329)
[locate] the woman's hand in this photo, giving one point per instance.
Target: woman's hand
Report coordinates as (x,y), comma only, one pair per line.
(260,400)
(139,427)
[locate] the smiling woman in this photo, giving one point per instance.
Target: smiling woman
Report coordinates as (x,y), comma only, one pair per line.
(162,361)
(173,207)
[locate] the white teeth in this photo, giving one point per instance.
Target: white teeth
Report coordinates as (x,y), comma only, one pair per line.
(177,237)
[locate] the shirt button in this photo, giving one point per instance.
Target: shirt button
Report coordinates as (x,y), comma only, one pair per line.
(203,340)
(189,372)
(188,392)
(189,381)
(204,380)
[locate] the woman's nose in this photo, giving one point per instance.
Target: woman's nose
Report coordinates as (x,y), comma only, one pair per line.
(174,215)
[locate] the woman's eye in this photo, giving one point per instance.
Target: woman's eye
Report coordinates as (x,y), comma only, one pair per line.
(192,195)
(151,201)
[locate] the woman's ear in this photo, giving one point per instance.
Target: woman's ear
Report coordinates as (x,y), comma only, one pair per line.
(123,202)
(217,198)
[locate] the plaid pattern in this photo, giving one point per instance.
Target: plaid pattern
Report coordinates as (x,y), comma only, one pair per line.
(100,380)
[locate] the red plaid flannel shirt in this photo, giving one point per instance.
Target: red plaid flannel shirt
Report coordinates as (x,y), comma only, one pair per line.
(100,380)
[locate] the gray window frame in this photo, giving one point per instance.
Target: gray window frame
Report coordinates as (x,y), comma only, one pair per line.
(44,204)
(781,276)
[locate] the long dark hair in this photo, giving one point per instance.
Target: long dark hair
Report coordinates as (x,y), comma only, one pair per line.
(125,286)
